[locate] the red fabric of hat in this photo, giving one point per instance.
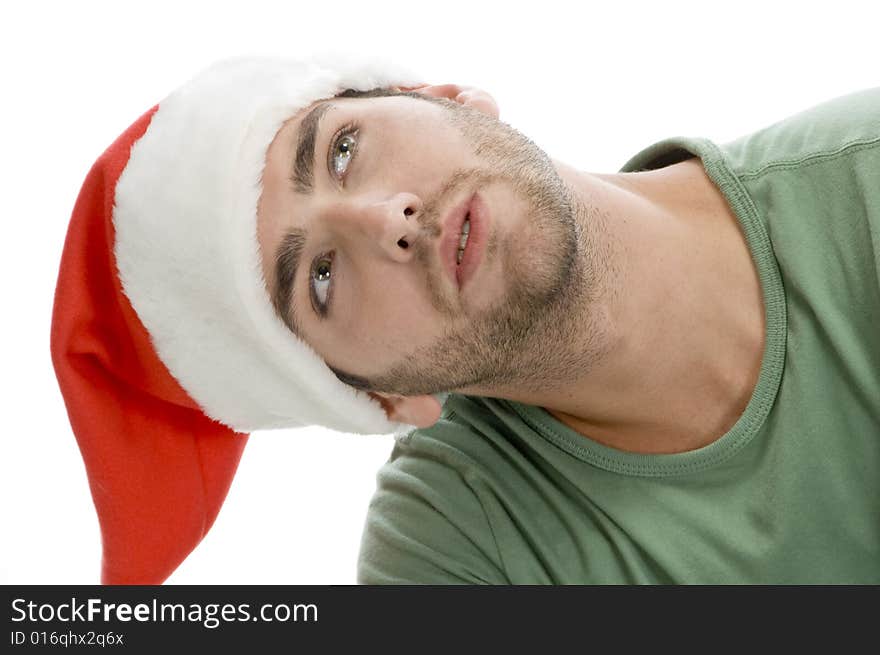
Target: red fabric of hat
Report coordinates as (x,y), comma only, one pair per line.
(158,467)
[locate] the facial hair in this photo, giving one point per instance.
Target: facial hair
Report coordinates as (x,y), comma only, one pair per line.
(541,335)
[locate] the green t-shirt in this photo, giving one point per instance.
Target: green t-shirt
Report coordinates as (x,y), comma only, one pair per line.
(501,492)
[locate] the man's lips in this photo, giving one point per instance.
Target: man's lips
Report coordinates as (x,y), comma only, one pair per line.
(450,237)
(474,209)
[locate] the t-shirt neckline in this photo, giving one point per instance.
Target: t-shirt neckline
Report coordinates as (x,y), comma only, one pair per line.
(658,155)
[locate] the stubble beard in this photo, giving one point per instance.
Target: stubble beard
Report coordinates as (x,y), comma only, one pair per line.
(542,334)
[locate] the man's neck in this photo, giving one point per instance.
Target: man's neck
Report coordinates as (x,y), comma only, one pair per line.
(683,315)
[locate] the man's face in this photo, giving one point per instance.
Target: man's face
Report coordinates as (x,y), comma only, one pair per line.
(373,252)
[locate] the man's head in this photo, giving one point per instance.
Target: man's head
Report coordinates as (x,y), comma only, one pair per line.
(168,348)
(166,342)
(356,190)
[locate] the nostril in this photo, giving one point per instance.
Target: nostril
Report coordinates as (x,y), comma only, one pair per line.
(402,243)
(408,211)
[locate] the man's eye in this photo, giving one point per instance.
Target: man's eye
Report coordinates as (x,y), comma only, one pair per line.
(321,281)
(343,150)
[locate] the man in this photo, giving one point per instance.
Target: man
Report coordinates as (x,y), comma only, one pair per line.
(667,375)
(593,378)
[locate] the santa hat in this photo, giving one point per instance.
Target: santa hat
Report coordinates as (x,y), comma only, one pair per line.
(166,346)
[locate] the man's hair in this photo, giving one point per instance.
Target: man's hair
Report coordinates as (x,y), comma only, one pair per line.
(384,92)
(355,381)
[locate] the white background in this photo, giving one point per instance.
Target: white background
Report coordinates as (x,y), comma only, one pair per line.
(591,83)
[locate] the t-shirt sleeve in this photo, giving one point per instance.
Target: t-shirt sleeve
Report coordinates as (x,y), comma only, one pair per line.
(425,523)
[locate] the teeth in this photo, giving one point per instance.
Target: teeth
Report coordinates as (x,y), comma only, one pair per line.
(462,242)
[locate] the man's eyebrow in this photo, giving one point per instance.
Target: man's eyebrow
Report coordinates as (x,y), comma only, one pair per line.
(287,260)
(289,251)
(303,175)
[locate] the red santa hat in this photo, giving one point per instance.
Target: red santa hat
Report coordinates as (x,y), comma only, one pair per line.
(165,344)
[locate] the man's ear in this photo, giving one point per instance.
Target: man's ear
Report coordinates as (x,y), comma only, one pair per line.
(421,411)
(465,95)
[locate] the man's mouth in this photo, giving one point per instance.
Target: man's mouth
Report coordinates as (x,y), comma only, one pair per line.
(464,239)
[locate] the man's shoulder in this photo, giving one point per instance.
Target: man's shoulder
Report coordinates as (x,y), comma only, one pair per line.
(820,131)
(470,428)
(427,521)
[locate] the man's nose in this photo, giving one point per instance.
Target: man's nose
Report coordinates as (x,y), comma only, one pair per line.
(390,224)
